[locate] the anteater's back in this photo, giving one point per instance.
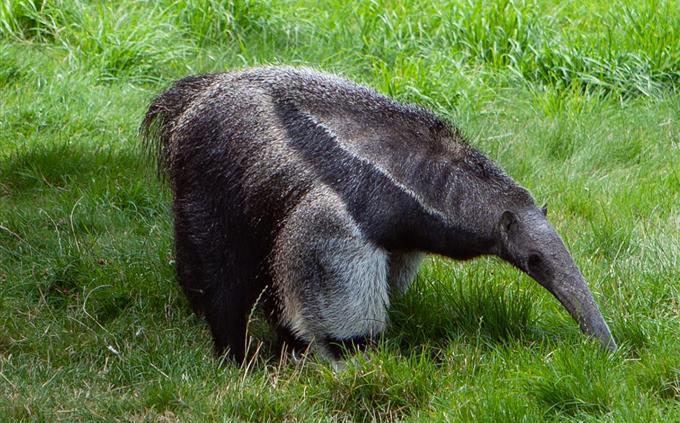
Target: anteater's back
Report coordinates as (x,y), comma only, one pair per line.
(263,137)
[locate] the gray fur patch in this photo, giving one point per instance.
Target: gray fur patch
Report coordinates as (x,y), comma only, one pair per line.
(332,280)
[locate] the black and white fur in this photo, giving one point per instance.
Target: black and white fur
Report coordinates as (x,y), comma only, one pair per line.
(325,196)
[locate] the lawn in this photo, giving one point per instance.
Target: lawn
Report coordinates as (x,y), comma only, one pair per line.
(577,101)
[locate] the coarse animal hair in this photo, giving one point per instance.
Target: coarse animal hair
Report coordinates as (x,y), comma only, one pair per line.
(326,195)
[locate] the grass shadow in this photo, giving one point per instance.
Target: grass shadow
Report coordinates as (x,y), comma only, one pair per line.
(434,312)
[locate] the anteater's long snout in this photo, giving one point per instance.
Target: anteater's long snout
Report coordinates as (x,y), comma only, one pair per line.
(572,291)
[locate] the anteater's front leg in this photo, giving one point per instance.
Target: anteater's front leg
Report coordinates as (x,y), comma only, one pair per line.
(331,280)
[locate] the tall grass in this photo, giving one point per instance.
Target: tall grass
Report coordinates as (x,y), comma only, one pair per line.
(628,48)
(215,22)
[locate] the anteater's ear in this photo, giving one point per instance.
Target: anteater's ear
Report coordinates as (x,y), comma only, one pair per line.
(544,209)
(508,223)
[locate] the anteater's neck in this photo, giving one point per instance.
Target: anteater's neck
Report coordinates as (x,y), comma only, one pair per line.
(468,206)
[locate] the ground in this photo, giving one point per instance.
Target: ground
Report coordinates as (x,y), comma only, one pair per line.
(579,102)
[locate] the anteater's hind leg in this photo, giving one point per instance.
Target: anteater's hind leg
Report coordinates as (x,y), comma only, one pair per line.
(330,279)
(217,271)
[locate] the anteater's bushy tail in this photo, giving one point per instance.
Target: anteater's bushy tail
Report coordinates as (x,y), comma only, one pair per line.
(161,118)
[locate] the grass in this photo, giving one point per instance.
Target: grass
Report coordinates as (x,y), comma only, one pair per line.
(578,101)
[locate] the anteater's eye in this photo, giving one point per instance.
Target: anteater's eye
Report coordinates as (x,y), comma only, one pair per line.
(534,262)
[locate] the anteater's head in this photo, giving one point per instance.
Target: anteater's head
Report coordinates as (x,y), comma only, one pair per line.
(528,241)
